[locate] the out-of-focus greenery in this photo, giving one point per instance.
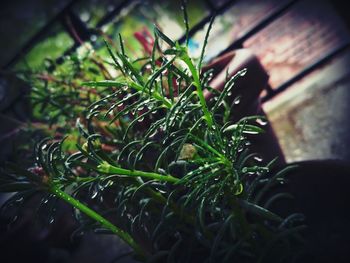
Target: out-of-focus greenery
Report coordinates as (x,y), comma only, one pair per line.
(53,46)
(22,19)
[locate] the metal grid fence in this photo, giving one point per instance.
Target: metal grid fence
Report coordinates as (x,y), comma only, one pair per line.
(69,19)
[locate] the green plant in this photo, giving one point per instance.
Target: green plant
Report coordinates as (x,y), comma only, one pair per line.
(164,169)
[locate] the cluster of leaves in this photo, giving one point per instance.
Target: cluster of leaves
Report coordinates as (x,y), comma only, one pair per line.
(164,169)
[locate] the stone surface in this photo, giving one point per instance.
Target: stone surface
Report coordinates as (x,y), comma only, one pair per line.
(311,119)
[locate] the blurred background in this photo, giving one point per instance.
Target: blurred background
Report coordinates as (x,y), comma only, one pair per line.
(303,46)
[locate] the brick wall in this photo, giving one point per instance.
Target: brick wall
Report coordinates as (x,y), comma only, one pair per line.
(304,34)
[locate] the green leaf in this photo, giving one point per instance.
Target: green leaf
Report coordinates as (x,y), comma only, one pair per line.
(163,36)
(205,43)
(248,128)
(260,211)
(104,83)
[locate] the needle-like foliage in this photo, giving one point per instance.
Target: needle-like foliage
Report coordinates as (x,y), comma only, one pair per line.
(171,174)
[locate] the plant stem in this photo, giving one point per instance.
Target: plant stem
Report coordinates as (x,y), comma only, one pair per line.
(166,102)
(198,85)
(98,218)
(105,167)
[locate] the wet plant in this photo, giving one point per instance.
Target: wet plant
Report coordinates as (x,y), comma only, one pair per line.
(158,165)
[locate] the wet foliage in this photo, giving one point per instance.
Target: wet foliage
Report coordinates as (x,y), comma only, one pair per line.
(141,154)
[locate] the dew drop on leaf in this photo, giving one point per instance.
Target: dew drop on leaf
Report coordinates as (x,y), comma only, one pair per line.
(20,200)
(262,122)
(94,194)
(51,220)
(14,219)
(242,72)
(250,132)
(258,158)
(237,100)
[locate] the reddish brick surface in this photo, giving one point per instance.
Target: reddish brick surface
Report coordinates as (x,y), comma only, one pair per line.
(304,34)
(245,14)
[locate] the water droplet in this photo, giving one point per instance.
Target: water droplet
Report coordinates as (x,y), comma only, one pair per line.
(141,119)
(95,107)
(94,194)
(93,38)
(20,200)
(258,158)
(14,219)
(51,220)
(250,132)
(125,88)
(153,134)
(161,171)
(229,94)
(242,72)
(237,100)
(262,122)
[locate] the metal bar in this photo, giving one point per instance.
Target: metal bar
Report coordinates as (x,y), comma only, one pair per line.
(210,5)
(109,17)
(75,27)
(265,22)
(40,34)
(104,20)
(305,71)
